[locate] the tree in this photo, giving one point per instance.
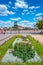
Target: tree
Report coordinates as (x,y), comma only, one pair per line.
(39,24)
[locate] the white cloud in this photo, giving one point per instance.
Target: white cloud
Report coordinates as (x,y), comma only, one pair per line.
(39,18)
(39,14)
(28,13)
(10,12)
(4,10)
(10,2)
(5,23)
(31,23)
(25,10)
(34,7)
(21,4)
(16,19)
(26,23)
(33,13)
(22,13)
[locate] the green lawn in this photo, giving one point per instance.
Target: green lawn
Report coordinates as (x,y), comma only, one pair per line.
(35,63)
(36,44)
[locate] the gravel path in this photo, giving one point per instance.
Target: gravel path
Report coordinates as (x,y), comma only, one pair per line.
(38,37)
(5,37)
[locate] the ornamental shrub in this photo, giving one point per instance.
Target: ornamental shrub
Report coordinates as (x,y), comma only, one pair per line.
(23,51)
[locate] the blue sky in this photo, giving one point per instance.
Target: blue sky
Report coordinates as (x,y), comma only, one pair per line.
(25,12)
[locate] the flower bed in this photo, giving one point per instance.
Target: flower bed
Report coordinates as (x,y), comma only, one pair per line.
(24,50)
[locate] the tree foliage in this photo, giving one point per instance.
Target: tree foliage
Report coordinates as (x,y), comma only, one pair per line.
(39,24)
